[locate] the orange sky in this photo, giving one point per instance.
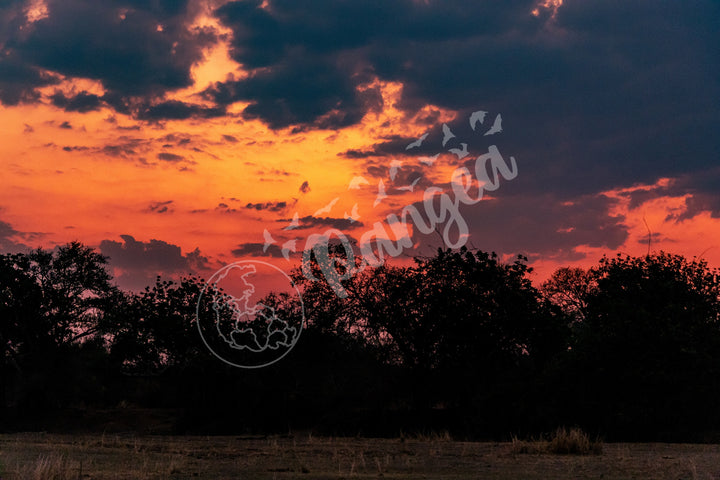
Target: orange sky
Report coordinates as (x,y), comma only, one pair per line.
(214,184)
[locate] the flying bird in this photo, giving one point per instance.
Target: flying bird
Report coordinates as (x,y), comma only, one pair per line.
(326,208)
(417,142)
(447,134)
(478,116)
(460,152)
(289,246)
(354,215)
(356,182)
(496,127)
(429,160)
(394,167)
(269,240)
(411,187)
(294,223)
(381,194)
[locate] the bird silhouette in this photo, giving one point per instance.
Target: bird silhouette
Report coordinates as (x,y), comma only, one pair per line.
(411,187)
(294,223)
(417,142)
(326,208)
(447,134)
(381,194)
(460,152)
(496,127)
(429,160)
(354,215)
(476,117)
(269,240)
(394,167)
(356,182)
(289,246)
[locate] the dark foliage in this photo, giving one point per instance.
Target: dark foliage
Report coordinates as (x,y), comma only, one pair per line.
(629,349)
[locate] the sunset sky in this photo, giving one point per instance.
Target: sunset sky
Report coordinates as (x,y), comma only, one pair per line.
(171,134)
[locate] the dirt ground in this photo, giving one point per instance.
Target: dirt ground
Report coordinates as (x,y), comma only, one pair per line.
(38,456)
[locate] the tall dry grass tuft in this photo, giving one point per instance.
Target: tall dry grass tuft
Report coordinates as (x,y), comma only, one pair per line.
(573,442)
(561,442)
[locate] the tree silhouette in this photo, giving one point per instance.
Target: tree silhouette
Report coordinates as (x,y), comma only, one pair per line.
(53,305)
(646,352)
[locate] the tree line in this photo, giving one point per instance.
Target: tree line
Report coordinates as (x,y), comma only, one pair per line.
(461,341)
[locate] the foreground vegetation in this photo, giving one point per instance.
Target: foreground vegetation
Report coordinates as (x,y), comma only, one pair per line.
(127,457)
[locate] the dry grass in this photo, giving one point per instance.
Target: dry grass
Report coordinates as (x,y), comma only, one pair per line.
(128,457)
(46,467)
(562,442)
(574,442)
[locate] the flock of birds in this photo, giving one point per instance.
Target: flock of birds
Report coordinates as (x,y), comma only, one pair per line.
(358,182)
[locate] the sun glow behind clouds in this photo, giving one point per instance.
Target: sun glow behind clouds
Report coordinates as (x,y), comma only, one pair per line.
(36,11)
(551,5)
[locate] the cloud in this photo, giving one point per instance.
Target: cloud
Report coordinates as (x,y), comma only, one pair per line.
(120,46)
(269,206)
(252,249)
(160,207)
(19,81)
(312,222)
(544,226)
(603,94)
(82,102)
(699,189)
(127,147)
(137,263)
(10,239)
(177,110)
(305,187)
(170,157)
(135,49)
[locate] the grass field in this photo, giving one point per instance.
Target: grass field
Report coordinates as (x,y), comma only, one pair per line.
(36,456)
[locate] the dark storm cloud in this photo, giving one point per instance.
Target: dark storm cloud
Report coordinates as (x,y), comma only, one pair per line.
(118,43)
(309,59)
(19,81)
(608,93)
(137,49)
(140,262)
